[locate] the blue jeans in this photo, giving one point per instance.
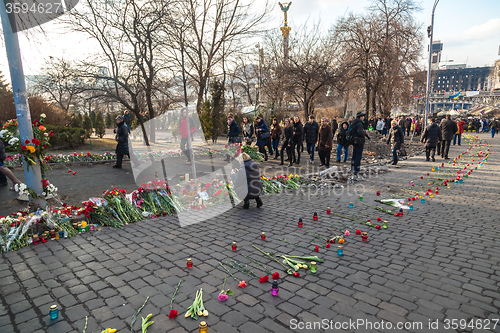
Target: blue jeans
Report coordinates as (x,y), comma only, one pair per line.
(493,131)
(459,136)
(357,154)
(310,150)
(339,152)
(275,143)
(395,155)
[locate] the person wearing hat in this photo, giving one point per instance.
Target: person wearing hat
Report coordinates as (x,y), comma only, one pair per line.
(358,143)
(247,183)
(122,141)
(396,139)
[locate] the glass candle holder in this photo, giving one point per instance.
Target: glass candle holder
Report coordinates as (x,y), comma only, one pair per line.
(364,236)
(57,234)
(52,234)
(189,263)
(233,246)
(300,223)
(314,267)
(422,200)
(351,205)
(378,193)
(328,210)
(275,289)
(36,240)
(340,250)
(203,327)
(360,198)
(44,238)
(54,312)
(263,236)
(461,181)
(315,216)
(385,224)
(411,206)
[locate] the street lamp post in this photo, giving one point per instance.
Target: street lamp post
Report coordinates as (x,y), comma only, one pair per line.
(430,31)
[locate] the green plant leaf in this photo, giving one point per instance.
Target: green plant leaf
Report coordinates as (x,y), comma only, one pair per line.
(229,292)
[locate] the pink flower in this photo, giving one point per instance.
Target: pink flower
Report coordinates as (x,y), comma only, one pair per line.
(347,233)
(222,297)
(296,274)
(242,284)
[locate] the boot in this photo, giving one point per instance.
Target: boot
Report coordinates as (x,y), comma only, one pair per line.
(246,204)
(259,202)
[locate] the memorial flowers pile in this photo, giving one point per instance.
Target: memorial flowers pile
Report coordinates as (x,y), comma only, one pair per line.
(197,308)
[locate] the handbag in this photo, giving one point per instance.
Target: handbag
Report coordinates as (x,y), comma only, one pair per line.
(265,135)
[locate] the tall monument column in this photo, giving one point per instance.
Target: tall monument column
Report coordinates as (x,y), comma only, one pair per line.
(285,29)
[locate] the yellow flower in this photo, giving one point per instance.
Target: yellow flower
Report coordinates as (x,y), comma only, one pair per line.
(304,266)
(30,148)
(263,177)
(296,175)
(291,175)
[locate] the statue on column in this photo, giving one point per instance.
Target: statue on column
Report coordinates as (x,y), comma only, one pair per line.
(284,8)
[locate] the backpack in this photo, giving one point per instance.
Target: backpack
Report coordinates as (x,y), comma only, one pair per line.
(350,135)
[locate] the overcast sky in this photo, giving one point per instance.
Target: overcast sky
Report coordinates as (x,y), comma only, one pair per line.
(469,30)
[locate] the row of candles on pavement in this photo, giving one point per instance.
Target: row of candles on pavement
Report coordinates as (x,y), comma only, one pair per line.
(54,235)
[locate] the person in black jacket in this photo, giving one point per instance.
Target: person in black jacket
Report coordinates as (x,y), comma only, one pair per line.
(396,139)
(233,131)
(311,130)
(122,141)
(247,183)
(335,125)
(298,134)
(449,128)
(431,137)
(342,143)
(359,142)
(287,140)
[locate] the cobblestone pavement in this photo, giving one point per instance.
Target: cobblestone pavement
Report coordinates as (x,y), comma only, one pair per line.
(439,262)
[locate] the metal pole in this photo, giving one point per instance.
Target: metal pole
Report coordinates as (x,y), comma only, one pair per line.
(430,31)
(32,174)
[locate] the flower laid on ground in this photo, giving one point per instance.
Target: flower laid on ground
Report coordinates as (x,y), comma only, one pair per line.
(316,248)
(276,276)
(223,295)
(173,313)
(109,330)
(296,274)
(242,284)
(146,323)
(263,279)
(327,244)
(347,233)
(197,308)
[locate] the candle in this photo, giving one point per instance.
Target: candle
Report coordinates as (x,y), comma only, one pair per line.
(340,250)
(233,246)
(189,263)
(364,236)
(300,223)
(263,236)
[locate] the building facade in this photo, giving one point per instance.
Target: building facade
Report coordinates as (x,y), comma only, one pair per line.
(460,78)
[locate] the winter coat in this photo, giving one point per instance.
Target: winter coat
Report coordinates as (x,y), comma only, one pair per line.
(183,127)
(359,132)
(288,135)
(342,135)
(431,135)
(122,139)
(396,137)
(276,132)
(263,128)
(325,142)
(247,183)
(408,123)
(298,133)
(380,125)
(233,129)
(460,127)
(449,128)
(335,126)
(247,130)
(311,131)
(2,151)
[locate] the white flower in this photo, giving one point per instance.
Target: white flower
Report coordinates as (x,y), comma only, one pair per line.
(44,194)
(145,214)
(13,141)
(19,214)
(43,115)
(3,132)
(46,134)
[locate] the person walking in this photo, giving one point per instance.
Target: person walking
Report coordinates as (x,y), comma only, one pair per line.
(287,141)
(342,143)
(298,135)
(247,182)
(358,143)
(128,120)
(493,127)
(6,172)
(380,125)
(233,133)
(458,134)
(408,122)
(431,136)
(275,137)
(396,139)
(263,136)
(449,128)
(122,141)
(311,130)
(183,130)
(325,143)
(247,128)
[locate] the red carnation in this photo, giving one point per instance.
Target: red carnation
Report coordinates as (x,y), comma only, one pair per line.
(316,248)
(45,146)
(69,171)
(263,279)
(33,140)
(172,314)
(377,227)
(379,219)
(296,274)
(358,232)
(276,276)
(27,141)
(74,172)
(51,133)
(327,244)
(23,147)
